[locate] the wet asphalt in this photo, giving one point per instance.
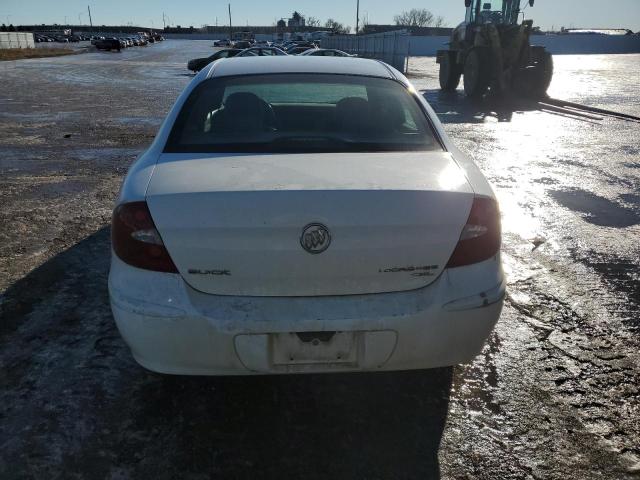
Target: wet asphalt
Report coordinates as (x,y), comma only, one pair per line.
(555,393)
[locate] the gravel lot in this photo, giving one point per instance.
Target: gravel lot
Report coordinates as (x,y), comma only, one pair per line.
(555,394)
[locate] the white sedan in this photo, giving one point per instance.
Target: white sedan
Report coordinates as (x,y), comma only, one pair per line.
(326,52)
(261,52)
(304,214)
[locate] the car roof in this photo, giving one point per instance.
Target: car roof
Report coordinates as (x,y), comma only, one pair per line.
(297,64)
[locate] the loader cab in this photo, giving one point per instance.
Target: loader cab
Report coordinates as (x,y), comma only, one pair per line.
(497,12)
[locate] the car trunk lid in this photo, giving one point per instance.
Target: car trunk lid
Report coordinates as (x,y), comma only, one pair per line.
(258,225)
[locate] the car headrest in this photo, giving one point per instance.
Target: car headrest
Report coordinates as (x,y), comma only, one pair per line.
(392,114)
(353,114)
(243,103)
(243,112)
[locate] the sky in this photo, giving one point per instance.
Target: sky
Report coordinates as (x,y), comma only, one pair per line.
(546,13)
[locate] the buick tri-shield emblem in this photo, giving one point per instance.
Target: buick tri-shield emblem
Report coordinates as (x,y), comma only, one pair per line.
(315,238)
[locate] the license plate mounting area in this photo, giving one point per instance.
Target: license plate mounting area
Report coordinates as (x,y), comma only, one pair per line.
(309,348)
(326,351)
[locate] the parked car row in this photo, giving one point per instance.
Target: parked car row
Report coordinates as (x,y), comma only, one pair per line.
(53,37)
(297,47)
(118,43)
(198,64)
(242,44)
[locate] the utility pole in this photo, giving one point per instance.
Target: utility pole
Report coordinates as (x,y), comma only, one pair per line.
(90,21)
(357,15)
(230,28)
(164,25)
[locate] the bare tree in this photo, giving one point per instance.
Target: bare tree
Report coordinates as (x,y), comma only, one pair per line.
(313,22)
(337,27)
(416,17)
(439,22)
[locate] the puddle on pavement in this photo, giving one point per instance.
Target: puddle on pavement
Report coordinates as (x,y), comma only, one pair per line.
(62,187)
(477,384)
(595,209)
(630,150)
(622,274)
(104,153)
(631,198)
(154,121)
(52,161)
(22,160)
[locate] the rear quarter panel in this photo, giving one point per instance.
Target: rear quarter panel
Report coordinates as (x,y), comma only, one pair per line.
(474,175)
(134,187)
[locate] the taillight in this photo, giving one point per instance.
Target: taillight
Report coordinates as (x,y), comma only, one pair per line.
(480,238)
(136,241)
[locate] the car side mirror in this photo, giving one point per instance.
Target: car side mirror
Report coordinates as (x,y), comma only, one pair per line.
(467,3)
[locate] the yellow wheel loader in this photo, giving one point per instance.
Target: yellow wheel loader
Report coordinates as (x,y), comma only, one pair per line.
(492,50)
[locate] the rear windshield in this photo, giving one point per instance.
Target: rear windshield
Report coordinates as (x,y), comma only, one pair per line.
(301,113)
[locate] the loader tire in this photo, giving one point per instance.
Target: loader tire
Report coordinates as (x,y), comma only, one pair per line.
(449,73)
(476,73)
(543,76)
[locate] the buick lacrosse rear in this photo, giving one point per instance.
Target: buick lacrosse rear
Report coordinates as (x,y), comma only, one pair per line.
(304,214)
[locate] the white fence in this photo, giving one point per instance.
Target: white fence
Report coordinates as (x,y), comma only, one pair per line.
(390,47)
(572,44)
(16,40)
(588,44)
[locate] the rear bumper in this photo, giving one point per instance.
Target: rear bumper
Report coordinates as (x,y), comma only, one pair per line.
(174,329)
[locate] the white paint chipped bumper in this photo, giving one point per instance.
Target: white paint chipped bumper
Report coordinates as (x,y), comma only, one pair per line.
(172,328)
